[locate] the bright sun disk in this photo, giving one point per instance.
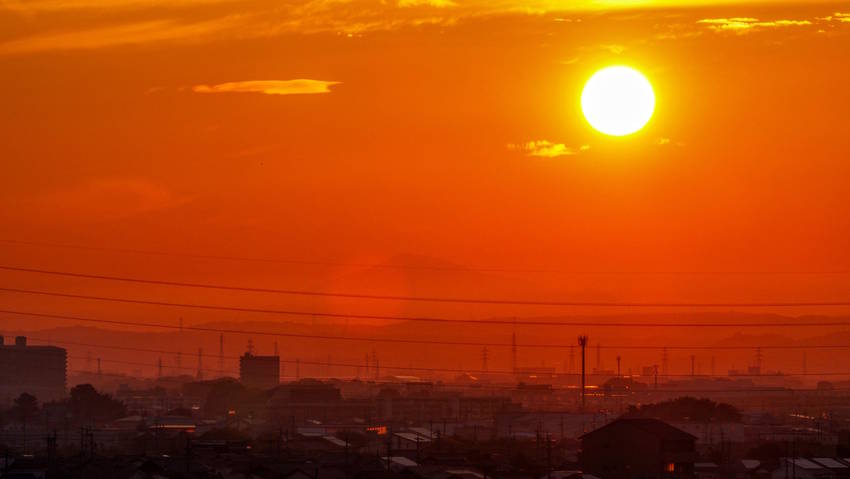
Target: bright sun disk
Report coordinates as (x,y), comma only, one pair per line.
(618,101)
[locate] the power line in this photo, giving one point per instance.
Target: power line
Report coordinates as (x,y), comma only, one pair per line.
(365,338)
(484,344)
(435,299)
(242,309)
(483,269)
(390,367)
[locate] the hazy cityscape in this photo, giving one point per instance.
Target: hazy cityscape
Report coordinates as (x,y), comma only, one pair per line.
(72,409)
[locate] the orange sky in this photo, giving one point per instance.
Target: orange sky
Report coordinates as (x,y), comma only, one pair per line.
(363,131)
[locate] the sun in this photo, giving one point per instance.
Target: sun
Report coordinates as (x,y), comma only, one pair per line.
(618,101)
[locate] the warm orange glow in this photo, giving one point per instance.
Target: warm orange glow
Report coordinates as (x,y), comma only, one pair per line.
(426,148)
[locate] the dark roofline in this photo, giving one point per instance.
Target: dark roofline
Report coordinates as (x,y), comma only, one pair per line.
(656,427)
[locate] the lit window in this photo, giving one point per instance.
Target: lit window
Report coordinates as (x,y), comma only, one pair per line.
(671,467)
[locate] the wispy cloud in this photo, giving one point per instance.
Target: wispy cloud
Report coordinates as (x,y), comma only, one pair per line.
(124,34)
(300,86)
(39,6)
(545,149)
(429,3)
(747,24)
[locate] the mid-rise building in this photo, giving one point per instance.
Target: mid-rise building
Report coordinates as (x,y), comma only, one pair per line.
(37,370)
(262,372)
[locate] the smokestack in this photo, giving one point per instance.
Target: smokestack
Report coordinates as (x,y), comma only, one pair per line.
(21,341)
(2,341)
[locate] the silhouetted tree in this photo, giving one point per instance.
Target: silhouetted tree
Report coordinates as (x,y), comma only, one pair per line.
(86,404)
(24,408)
(687,409)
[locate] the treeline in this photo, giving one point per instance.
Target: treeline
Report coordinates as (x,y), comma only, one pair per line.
(686,409)
(84,405)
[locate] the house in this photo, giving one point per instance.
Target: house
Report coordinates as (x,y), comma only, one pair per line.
(801,468)
(638,448)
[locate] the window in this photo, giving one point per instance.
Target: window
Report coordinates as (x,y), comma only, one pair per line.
(671,467)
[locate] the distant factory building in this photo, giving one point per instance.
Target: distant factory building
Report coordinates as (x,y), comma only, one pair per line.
(261,372)
(37,370)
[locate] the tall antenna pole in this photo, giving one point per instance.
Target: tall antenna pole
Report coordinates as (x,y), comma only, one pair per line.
(582,341)
(221,355)
(618,366)
(513,352)
(200,374)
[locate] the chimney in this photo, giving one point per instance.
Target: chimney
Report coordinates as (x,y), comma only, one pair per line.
(2,341)
(21,341)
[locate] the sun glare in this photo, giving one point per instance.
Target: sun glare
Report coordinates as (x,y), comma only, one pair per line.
(618,101)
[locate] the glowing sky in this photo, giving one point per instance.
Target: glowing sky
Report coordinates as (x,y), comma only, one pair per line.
(363,130)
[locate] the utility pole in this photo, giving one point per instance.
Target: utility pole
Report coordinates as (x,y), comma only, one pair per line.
(221,355)
(99,370)
(664,362)
(693,365)
(582,342)
(618,366)
(513,352)
(200,374)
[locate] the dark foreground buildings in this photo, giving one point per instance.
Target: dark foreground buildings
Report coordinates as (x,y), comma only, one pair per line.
(37,370)
(638,449)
